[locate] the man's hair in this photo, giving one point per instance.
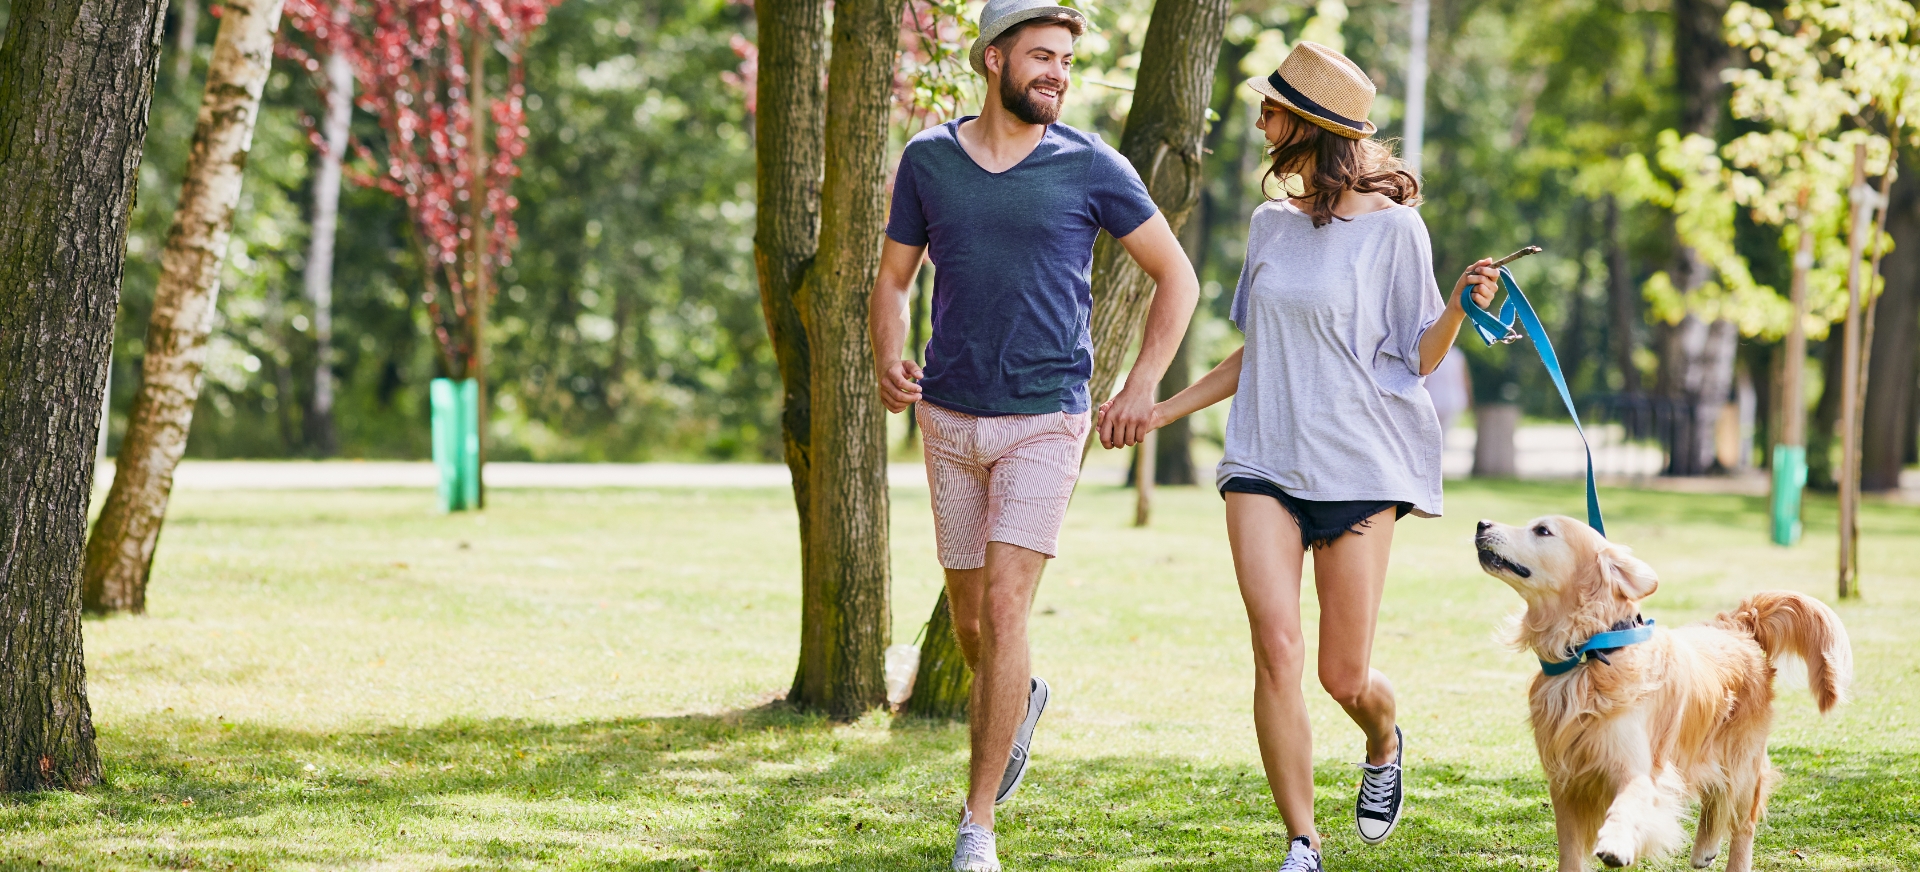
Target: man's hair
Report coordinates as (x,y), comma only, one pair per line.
(1004,42)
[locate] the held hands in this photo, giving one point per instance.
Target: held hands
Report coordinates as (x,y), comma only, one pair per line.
(1485,280)
(1126,419)
(899,384)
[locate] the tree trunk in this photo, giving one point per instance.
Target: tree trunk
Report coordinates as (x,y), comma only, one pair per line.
(944,685)
(186,33)
(789,139)
(1885,436)
(1696,358)
(120,552)
(1623,302)
(1162,141)
(76,79)
(1494,426)
(845,613)
(322,438)
(1173,444)
(1826,417)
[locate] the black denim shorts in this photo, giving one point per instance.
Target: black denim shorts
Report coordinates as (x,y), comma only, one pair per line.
(1321,521)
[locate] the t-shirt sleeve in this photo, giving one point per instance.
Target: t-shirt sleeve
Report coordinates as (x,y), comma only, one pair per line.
(1116,195)
(1414,302)
(906,221)
(1238,312)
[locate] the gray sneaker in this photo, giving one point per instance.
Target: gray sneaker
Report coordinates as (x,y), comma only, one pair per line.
(1022,738)
(975,849)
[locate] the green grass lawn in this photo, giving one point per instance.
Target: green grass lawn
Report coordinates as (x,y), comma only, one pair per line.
(587,680)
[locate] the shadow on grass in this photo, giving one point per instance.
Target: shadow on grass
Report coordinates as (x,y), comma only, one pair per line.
(769,789)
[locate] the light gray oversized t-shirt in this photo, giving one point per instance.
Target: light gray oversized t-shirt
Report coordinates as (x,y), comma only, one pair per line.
(1331,405)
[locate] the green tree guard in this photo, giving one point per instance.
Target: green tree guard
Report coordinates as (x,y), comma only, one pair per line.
(456,442)
(1789,481)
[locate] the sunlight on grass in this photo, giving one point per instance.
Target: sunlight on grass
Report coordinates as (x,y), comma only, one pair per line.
(587,680)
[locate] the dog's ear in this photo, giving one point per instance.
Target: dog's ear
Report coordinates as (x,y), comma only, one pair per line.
(1630,577)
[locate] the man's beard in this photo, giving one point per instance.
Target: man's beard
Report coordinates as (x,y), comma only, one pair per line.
(1026,107)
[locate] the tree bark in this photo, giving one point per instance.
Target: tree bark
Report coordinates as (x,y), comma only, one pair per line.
(943,686)
(1886,436)
(76,79)
(120,551)
(1697,357)
(322,437)
(1623,302)
(789,140)
(186,33)
(1494,426)
(845,612)
(1162,141)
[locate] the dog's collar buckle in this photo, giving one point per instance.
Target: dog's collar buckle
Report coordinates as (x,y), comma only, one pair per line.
(1603,641)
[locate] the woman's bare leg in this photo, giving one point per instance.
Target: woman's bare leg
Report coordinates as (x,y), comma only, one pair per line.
(1267,557)
(1350,576)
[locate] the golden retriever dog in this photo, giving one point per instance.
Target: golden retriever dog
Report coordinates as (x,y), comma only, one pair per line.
(1631,735)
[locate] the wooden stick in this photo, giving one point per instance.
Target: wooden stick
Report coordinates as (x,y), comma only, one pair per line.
(1531,249)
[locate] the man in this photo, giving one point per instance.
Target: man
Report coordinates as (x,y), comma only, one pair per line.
(1008,204)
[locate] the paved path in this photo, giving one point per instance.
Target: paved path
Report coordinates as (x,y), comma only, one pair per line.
(1546,451)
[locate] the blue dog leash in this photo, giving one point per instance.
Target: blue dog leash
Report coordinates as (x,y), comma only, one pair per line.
(1501,330)
(1608,640)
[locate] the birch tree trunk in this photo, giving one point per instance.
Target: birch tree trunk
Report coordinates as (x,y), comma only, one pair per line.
(845,611)
(76,78)
(120,552)
(789,141)
(321,435)
(1162,141)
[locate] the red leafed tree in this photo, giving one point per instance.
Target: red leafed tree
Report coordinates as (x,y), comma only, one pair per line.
(448,149)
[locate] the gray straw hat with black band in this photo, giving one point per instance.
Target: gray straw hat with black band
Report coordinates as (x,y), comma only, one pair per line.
(1002,14)
(1322,86)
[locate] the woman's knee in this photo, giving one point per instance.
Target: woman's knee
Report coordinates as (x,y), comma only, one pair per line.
(1347,686)
(1279,656)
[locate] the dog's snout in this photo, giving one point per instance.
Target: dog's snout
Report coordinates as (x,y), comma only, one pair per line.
(1482,528)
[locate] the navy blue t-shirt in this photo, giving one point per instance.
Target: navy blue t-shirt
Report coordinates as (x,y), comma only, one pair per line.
(1013,258)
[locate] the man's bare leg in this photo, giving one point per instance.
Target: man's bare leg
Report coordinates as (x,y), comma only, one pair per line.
(1002,672)
(966,591)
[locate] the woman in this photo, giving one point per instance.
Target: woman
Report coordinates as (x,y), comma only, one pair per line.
(1332,436)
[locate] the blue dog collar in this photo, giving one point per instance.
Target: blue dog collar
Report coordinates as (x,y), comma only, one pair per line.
(1603,641)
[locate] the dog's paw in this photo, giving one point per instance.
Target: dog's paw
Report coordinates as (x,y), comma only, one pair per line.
(1614,858)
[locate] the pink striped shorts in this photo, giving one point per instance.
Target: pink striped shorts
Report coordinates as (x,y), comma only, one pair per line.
(1006,478)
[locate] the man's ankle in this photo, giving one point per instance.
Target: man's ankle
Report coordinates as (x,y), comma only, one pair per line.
(983,821)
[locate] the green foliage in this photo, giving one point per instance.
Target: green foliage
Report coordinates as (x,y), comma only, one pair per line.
(1824,71)
(579,680)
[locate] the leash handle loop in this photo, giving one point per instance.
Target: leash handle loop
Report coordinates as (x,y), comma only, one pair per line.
(1517,311)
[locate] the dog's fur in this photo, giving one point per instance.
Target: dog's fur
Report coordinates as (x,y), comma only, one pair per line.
(1683,716)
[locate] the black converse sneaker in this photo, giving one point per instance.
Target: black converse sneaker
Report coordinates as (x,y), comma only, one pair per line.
(1377,811)
(1301,857)
(1037,692)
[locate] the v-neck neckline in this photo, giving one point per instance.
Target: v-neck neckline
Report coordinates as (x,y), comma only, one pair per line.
(959,144)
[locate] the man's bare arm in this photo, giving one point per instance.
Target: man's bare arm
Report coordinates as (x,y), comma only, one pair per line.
(887,324)
(1129,416)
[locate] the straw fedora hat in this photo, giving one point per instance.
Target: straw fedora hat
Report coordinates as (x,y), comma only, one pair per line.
(1322,86)
(1002,14)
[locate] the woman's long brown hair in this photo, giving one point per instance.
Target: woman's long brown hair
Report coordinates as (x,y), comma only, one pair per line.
(1329,165)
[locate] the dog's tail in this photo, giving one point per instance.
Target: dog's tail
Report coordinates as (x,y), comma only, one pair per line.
(1792,624)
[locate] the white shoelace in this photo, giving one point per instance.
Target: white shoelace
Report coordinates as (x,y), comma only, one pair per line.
(1376,787)
(1300,858)
(975,846)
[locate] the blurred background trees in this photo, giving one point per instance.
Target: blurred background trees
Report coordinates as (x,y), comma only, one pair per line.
(628,324)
